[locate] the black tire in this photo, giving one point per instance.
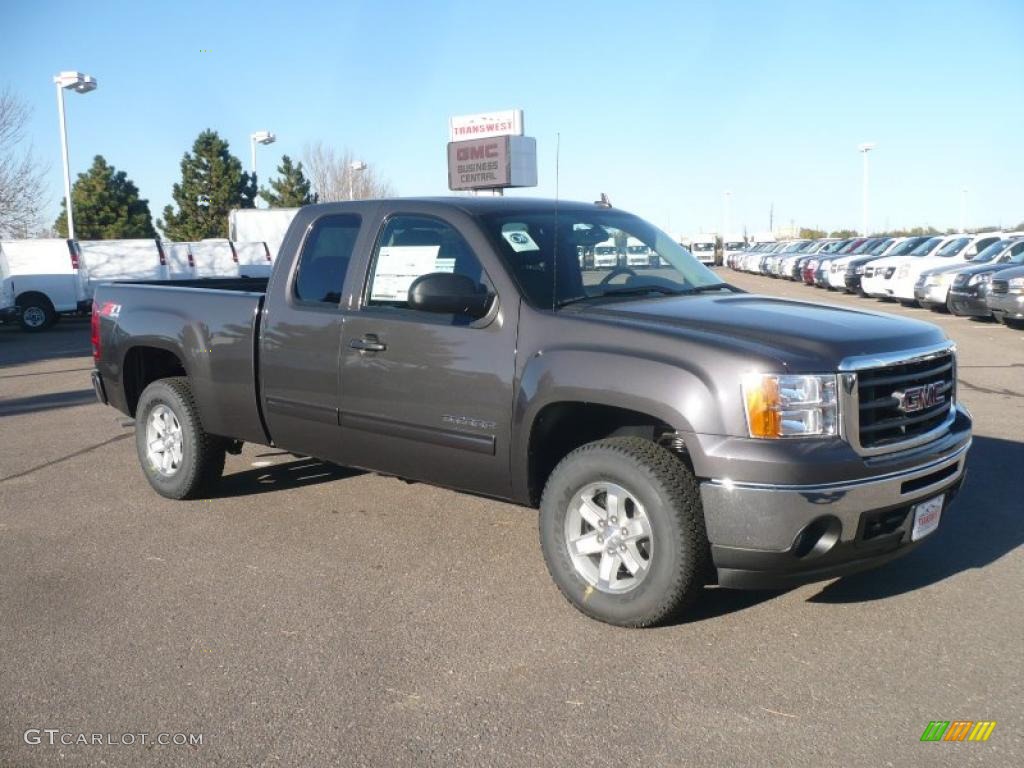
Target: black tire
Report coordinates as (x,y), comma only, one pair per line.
(202,455)
(36,312)
(670,495)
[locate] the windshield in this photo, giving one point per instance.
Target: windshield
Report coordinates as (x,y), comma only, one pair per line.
(926,247)
(1014,254)
(527,243)
(702,247)
(878,248)
(953,247)
(906,246)
(734,245)
(991,252)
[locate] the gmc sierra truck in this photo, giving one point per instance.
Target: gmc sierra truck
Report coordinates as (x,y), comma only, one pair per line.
(673,430)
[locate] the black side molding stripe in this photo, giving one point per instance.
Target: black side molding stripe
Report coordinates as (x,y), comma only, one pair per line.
(299,410)
(448,438)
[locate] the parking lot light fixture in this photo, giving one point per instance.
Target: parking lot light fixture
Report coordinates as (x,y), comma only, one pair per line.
(260,137)
(864,149)
(79,83)
(356,167)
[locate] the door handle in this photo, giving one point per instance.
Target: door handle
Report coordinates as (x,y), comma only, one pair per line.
(368,343)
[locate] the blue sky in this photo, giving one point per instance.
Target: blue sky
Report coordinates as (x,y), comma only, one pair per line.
(663,105)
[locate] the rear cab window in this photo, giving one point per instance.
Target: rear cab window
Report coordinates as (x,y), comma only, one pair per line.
(324,261)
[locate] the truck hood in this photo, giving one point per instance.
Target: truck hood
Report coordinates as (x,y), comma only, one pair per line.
(801,336)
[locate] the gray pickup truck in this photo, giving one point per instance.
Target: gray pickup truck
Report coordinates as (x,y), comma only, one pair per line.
(673,430)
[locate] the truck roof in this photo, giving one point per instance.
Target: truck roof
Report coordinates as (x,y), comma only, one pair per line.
(471,205)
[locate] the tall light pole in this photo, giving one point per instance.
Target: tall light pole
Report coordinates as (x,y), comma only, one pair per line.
(79,83)
(354,168)
(864,149)
(260,137)
(963,209)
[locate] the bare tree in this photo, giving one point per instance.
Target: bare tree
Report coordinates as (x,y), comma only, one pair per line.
(333,177)
(21,174)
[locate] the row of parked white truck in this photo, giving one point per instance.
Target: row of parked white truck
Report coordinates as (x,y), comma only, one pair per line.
(42,279)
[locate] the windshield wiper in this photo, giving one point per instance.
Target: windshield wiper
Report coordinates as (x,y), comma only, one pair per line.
(712,287)
(639,290)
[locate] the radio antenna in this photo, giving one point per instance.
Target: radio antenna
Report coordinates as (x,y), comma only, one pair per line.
(554,260)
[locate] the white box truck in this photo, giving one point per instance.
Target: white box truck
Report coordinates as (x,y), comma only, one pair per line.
(106,260)
(255,225)
(39,281)
(702,246)
(637,254)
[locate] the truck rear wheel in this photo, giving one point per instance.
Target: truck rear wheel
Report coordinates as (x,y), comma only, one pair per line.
(180,460)
(36,312)
(622,532)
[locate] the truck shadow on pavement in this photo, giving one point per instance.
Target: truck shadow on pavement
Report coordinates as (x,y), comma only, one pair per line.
(68,338)
(47,402)
(983,524)
(299,473)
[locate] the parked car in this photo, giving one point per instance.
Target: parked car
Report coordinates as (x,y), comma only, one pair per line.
(969,290)
(1005,298)
(670,427)
(932,287)
(835,277)
(857,267)
(956,248)
(40,280)
(877,273)
(821,274)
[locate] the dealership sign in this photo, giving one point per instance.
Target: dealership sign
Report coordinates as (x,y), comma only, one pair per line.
(485,125)
(492,163)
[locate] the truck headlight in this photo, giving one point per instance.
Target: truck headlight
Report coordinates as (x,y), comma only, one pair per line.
(1015,285)
(903,271)
(980,279)
(783,405)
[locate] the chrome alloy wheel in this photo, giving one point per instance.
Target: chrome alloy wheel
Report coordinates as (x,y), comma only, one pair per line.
(164,440)
(609,537)
(34,317)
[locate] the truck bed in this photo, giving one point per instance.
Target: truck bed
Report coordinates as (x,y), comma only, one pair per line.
(211,326)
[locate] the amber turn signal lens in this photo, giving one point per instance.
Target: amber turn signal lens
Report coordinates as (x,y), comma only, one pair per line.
(762,400)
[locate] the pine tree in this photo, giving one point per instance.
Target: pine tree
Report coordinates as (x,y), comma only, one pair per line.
(212,183)
(290,189)
(107,206)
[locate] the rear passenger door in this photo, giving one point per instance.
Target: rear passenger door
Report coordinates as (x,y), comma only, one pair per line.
(424,395)
(301,339)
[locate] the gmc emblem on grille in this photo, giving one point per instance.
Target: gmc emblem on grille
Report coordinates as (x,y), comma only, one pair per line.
(918,398)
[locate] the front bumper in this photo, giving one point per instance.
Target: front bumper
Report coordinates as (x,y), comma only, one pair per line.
(968,305)
(1006,305)
(931,295)
(766,536)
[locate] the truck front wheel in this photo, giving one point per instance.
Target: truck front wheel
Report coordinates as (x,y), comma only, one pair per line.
(622,532)
(180,460)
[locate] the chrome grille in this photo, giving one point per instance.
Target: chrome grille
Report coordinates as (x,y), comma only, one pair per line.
(883,424)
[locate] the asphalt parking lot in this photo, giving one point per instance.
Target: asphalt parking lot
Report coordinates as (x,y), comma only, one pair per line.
(310,615)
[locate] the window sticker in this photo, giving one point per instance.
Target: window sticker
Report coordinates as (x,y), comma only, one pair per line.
(398,265)
(520,241)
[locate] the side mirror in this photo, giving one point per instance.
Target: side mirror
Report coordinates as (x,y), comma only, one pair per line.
(449,294)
